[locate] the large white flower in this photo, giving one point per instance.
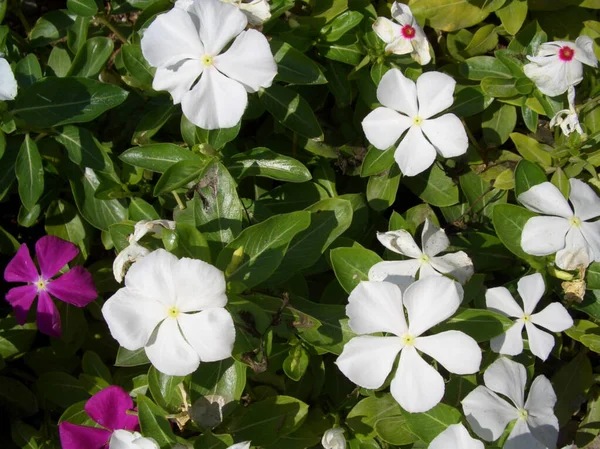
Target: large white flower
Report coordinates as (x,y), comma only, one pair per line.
(367,360)
(334,439)
(426,262)
(123,439)
(554,317)
(566,231)
(558,65)
(567,119)
(408,37)
(410,106)
(489,414)
(174,309)
(185,44)
(8,83)
(455,437)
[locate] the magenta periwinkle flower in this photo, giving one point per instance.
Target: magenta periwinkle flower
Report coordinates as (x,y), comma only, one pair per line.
(75,287)
(112,408)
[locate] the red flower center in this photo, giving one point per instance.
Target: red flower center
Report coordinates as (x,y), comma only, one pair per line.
(408,32)
(566,53)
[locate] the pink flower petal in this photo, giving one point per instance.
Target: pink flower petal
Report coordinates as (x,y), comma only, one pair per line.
(53,254)
(48,317)
(21,267)
(21,298)
(75,287)
(109,408)
(73,436)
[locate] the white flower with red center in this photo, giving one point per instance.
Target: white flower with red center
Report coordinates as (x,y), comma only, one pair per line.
(408,37)
(558,65)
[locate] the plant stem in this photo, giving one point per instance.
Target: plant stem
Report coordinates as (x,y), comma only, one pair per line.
(179,202)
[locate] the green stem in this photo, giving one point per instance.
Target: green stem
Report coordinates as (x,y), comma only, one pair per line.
(21,16)
(112,28)
(179,202)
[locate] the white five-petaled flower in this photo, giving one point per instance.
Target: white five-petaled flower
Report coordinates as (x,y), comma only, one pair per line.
(334,439)
(558,65)
(185,44)
(567,119)
(123,439)
(174,309)
(455,436)
(554,318)
(410,106)
(566,231)
(489,414)
(426,262)
(408,37)
(8,83)
(367,360)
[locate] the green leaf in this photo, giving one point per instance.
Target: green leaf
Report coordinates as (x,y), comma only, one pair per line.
(59,61)
(351,265)
(25,436)
(83,149)
(84,8)
(15,339)
(365,415)
(92,57)
(186,241)
(178,175)
(482,325)
(141,210)
(17,398)
(480,194)
(377,161)
(500,87)
(164,390)
(486,250)
(571,382)
(513,15)
(434,187)
(346,49)
(430,424)
(7,166)
(158,157)
(479,67)
(153,422)
(156,117)
(28,71)
(382,189)
(294,67)
(469,100)
(266,163)
(499,120)
(296,363)
(93,365)
(226,379)
(30,173)
(484,40)
(136,64)
(561,181)
(216,138)
(128,358)
(50,27)
(61,388)
(527,175)
(453,15)
(532,150)
(343,23)
(509,221)
(394,430)
(59,101)
(593,276)
(62,220)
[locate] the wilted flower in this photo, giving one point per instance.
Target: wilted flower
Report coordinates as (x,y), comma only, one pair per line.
(558,65)
(567,119)
(554,318)
(334,439)
(122,439)
(410,106)
(75,287)
(174,309)
(455,437)
(8,83)
(185,45)
(257,11)
(408,37)
(575,240)
(489,414)
(367,360)
(426,262)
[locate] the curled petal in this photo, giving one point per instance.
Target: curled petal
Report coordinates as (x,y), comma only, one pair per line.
(508,378)
(21,267)
(433,239)
(415,154)
(511,341)
(399,46)
(576,252)
(220,22)
(435,91)
(200,285)
(447,134)
(73,436)
(455,436)
(242,445)
(8,83)
(456,351)
(53,253)
(552,76)
(169,352)
(585,51)
(544,235)
(21,298)
(487,413)
(131,254)
(540,342)
(383,127)
(399,272)
(531,289)
(554,317)
(257,11)
(400,242)
(458,265)
(420,46)
(48,317)
(109,408)
(585,201)
(74,287)
(211,333)
(397,92)
(334,439)
(387,30)
(546,199)
(499,300)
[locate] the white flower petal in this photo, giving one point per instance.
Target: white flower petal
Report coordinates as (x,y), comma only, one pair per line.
(132,317)
(427,270)
(8,83)
(171,38)
(383,127)
(435,91)
(540,342)
(499,299)
(508,378)
(511,341)
(400,46)
(219,23)
(178,79)
(152,277)
(199,285)
(417,386)
(401,242)
(168,351)
(376,307)
(402,14)
(531,289)
(242,445)
(591,233)
(456,351)
(334,439)
(487,413)
(249,61)
(550,74)
(546,199)
(542,422)
(131,254)
(521,438)
(368,360)
(420,46)
(415,154)
(458,265)
(397,92)
(585,201)
(576,252)
(216,101)
(447,134)
(155,227)
(211,333)
(544,235)
(433,239)
(399,272)
(387,30)
(122,439)
(257,11)
(430,301)
(584,51)
(554,317)
(455,436)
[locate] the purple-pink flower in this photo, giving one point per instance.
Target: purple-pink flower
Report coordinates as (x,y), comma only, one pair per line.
(75,287)
(109,408)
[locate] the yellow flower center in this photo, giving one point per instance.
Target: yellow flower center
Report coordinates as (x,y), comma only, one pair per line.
(41,284)
(526,318)
(207,60)
(523,414)
(417,121)
(408,340)
(424,258)
(574,221)
(173,312)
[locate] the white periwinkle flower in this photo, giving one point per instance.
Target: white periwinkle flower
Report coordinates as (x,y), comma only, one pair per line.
(410,106)
(174,309)
(554,318)
(489,414)
(408,37)
(426,262)
(567,119)
(242,445)
(558,65)
(185,44)
(8,83)
(455,437)
(122,439)
(334,439)
(367,360)
(566,230)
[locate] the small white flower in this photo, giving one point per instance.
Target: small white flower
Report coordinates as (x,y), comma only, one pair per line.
(575,240)
(123,439)
(334,439)
(243,445)
(489,414)
(554,317)
(8,83)
(367,360)
(174,308)
(455,437)
(426,262)
(567,119)
(185,45)
(558,65)
(408,37)
(410,106)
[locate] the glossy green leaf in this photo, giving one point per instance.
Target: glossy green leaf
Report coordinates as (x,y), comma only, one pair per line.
(178,175)
(92,57)
(434,187)
(351,265)
(85,8)
(294,67)
(266,163)
(30,173)
(158,157)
